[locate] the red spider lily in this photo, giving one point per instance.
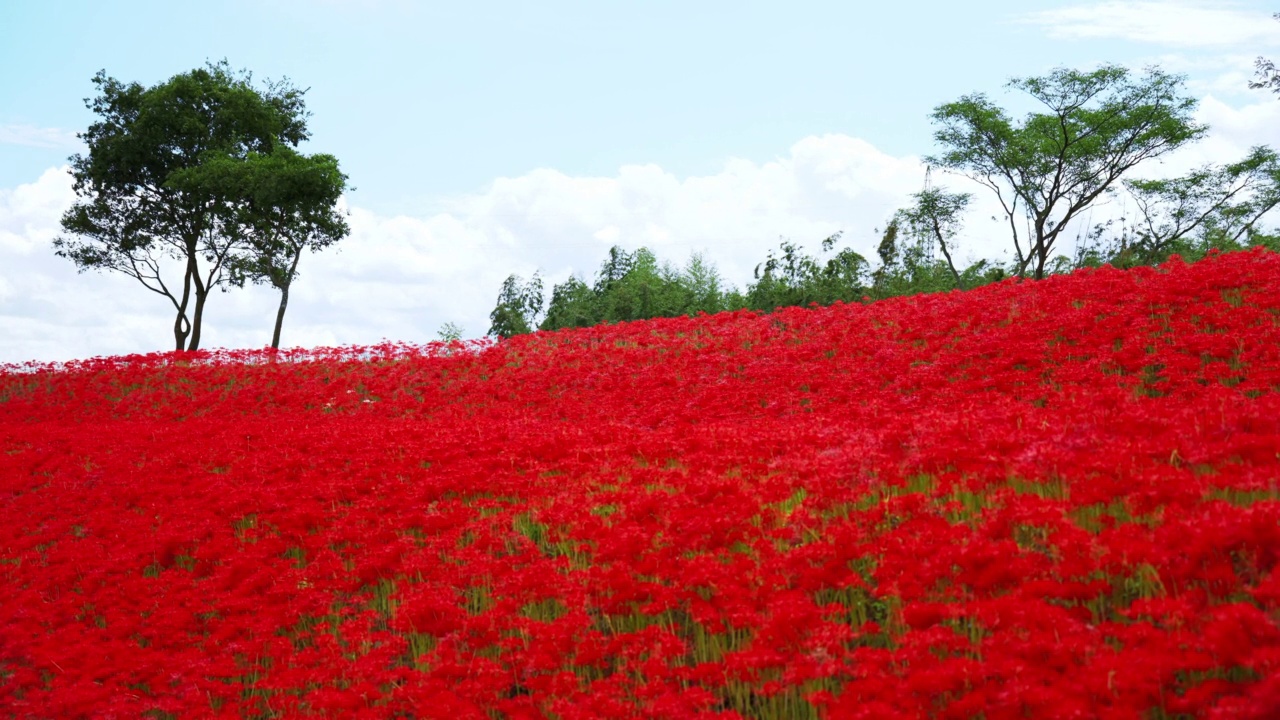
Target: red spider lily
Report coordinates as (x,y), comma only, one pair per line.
(1049,499)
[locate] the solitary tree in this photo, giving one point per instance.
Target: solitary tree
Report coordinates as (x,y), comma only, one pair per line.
(150,201)
(1051,166)
(449,332)
(276,205)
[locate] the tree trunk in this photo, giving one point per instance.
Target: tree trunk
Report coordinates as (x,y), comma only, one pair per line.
(1041,248)
(195,320)
(180,329)
(284,297)
(202,294)
(181,325)
(942,243)
(284,302)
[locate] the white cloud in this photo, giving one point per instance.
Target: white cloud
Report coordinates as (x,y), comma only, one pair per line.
(561,224)
(30,213)
(1184,23)
(32,136)
(1233,131)
(1211,73)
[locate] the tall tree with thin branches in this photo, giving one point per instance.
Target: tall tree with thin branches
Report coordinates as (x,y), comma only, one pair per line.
(150,205)
(1052,165)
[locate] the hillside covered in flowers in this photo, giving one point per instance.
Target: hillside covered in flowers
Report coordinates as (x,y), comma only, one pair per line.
(1041,499)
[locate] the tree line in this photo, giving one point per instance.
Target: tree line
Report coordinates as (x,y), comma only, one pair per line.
(196,184)
(1046,170)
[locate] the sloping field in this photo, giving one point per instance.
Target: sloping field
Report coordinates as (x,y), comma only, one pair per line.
(1052,499)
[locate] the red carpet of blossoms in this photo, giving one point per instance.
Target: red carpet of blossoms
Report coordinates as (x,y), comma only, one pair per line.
(1033,500)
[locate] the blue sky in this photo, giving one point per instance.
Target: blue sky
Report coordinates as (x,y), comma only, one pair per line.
(423,99)
(493,137)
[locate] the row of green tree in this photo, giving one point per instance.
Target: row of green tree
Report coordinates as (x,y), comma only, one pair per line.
(1046,170)
(197,184)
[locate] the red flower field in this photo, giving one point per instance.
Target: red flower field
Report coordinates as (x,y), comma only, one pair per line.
(1032,500)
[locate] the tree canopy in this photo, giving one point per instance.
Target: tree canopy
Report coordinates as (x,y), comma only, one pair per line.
(193,184)
(278,205)
(1052,165)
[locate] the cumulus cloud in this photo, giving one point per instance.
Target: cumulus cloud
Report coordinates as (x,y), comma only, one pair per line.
(1213,44)
(402,277)
(33,136)
(1184,23)
(1233,130)
(823,185)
